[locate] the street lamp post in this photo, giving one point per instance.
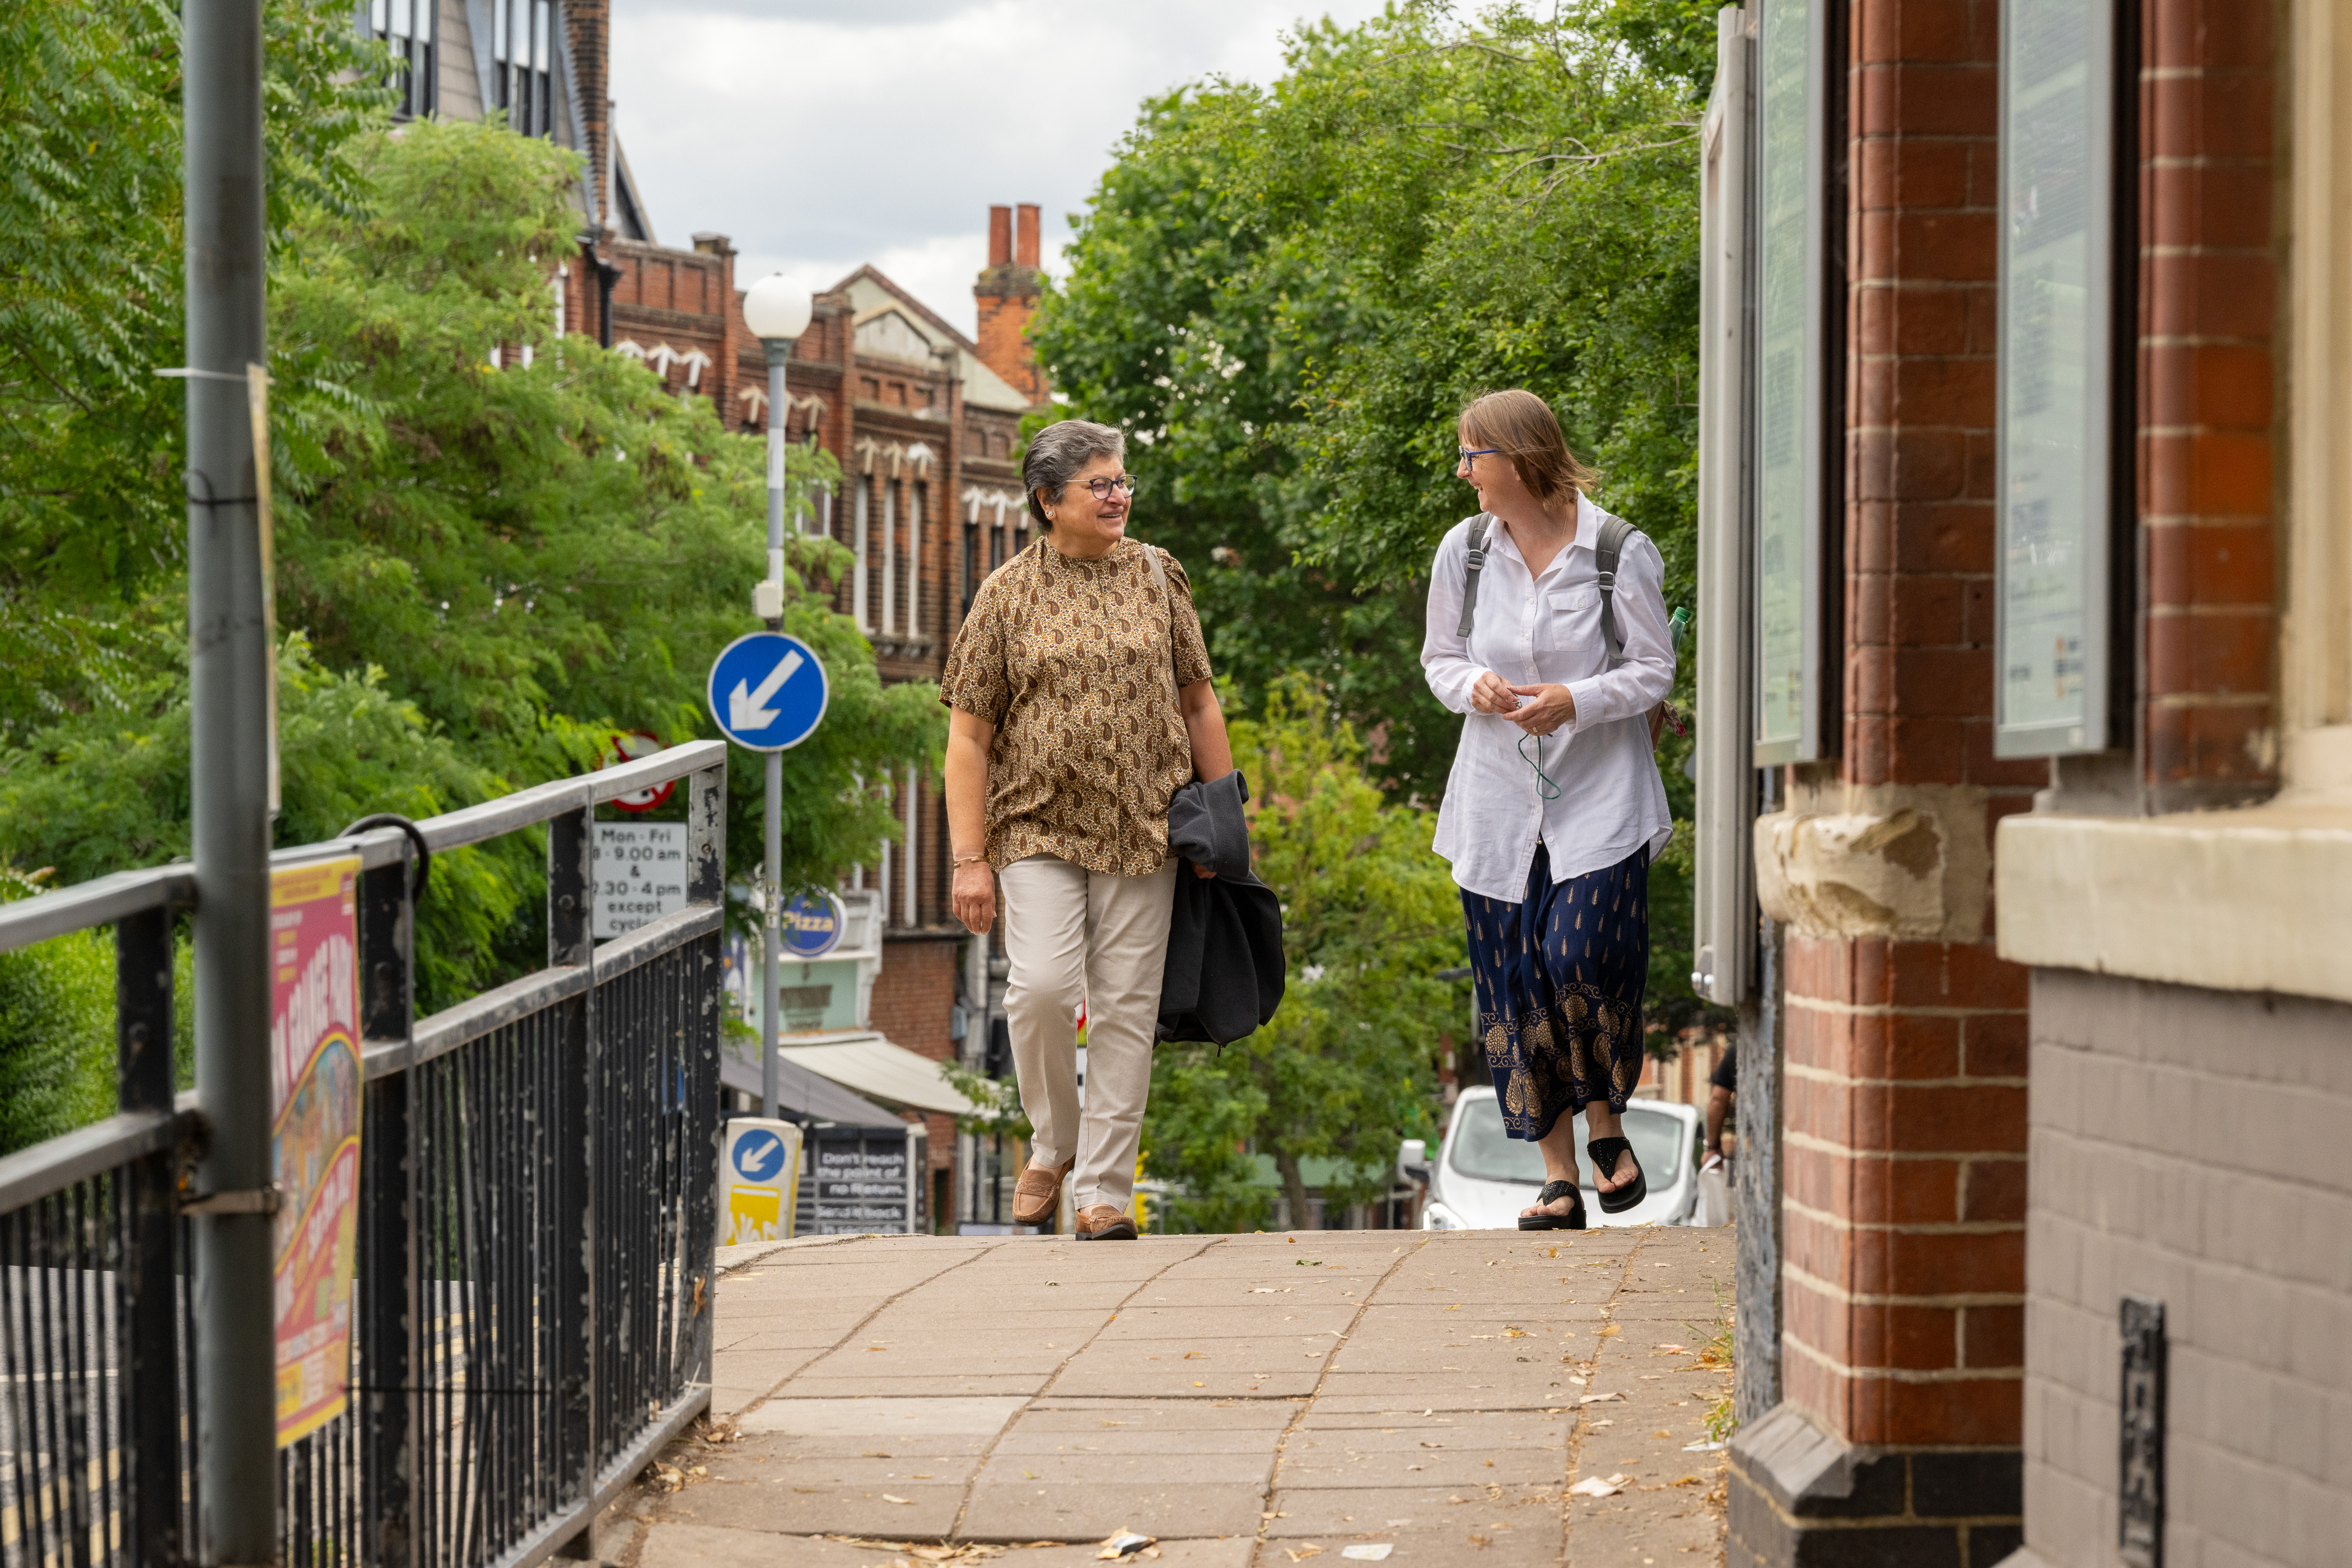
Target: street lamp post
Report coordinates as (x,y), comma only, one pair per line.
(777,310)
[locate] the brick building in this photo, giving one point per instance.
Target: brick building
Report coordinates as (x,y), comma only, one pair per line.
(2025,705)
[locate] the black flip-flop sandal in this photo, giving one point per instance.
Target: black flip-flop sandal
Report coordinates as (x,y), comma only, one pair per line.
(1603,1152)
(1552,1192)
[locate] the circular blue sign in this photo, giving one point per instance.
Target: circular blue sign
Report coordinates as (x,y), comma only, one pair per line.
(767,690)
(760,1156)
(812,927)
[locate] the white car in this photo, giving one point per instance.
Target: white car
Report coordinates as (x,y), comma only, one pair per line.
(1482,1177)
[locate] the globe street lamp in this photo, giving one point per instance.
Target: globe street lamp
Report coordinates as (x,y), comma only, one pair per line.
(777,310)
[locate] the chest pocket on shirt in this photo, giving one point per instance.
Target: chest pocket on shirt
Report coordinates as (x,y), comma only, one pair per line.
(1571,618)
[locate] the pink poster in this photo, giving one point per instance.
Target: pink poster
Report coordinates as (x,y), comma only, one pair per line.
(315,1098)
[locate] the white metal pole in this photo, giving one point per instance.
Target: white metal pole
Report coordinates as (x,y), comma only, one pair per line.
(772,825)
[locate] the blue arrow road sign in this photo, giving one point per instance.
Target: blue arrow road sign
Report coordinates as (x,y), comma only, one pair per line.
(759,1156)
(767,691)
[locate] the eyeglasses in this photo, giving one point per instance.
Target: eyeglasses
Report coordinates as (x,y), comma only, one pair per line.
(1101,488)
(1467,453)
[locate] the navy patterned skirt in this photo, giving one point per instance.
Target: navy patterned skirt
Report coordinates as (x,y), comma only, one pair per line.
(1559,978)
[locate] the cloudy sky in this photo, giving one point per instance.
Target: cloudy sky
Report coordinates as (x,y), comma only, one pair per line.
(825,133)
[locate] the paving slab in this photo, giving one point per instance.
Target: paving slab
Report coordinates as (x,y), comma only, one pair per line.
(1251,1401)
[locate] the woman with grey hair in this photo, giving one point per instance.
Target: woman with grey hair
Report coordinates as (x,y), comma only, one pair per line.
(1079,702)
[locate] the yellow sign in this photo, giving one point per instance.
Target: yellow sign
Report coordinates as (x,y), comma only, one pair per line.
(759,1180)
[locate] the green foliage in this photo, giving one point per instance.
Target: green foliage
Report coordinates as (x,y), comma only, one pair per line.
(999,1112)
(90,438)
(57,1029)
(107,790)
(540,553)
(482,572)
(1346,1068)
(1286,293)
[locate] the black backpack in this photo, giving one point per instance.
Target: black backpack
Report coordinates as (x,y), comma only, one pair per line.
(1606,550)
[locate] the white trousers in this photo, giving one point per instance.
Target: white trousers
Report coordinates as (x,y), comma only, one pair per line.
(1072,935)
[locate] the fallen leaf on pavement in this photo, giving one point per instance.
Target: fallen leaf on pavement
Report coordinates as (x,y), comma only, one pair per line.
(1369,1551)
(1685,1481)
(1598,1398)
(873,1454)
(1594,1487)
(1669,1349)
(1124,1543)
(1301,1553)
(906,1501)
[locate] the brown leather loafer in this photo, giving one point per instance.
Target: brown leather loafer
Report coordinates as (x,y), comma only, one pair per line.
(1103,1223)
(1038,1193)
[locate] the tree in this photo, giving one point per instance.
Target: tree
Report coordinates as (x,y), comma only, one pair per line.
(90,438)
(542,551)
(494,548)
(1346,1065)
(1285,293)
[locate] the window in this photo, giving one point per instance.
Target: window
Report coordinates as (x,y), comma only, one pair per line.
(1791,395)
(2056,445)
(522,68)
(869,388)
(407,26)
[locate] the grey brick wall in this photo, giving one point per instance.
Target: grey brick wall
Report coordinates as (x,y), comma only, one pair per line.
(2195,1146)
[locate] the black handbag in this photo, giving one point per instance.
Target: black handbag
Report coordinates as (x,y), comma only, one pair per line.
(1224,970)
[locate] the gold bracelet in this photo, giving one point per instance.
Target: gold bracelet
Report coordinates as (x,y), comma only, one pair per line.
(967,859)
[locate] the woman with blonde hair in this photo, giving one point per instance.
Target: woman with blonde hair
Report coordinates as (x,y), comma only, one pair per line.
(1546,630)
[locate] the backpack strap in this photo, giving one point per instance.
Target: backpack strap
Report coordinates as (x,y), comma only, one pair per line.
(1475,564)
(1606,550)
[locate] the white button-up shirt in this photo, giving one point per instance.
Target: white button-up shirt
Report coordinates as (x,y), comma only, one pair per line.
(1531,630)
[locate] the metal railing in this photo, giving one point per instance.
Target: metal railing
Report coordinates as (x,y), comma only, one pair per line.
(532,1302)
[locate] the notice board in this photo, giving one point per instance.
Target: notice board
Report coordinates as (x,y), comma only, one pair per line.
(857,1183)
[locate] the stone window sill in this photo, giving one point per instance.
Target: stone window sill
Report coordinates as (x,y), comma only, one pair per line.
(2258,900)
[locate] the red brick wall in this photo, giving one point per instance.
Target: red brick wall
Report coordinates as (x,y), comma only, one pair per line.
(2208,300)
(913,992)
(912,995)
(1905,1097)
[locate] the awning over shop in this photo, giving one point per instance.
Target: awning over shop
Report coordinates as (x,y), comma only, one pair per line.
(801,1095)
(870,1065)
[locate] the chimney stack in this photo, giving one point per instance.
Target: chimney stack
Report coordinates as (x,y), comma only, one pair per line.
(1007,293)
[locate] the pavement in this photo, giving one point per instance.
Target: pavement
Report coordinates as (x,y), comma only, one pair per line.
(1248,1401)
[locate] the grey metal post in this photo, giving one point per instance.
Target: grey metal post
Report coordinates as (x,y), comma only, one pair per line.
(229,653)
(772,954)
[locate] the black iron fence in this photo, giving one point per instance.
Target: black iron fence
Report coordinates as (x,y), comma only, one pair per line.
(531,1306)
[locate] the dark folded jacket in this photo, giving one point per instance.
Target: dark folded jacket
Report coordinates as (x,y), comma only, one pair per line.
(1224,977)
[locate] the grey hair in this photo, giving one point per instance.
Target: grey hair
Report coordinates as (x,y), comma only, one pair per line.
(1059,451)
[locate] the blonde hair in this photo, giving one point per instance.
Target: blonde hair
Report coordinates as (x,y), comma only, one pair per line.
(1522,428)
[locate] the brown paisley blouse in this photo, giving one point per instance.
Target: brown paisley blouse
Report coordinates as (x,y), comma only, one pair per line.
(1069,660)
